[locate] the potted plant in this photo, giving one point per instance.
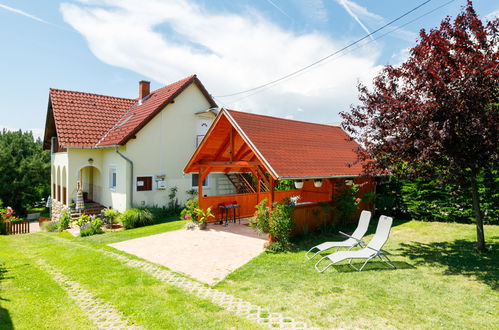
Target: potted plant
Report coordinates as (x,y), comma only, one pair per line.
(317,183)
(298,184)
(203,217)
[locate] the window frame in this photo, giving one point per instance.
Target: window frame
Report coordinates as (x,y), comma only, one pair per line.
(207,180)
(149,177)
(113,171)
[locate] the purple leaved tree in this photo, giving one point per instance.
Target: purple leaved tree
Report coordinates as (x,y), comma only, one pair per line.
(436,115)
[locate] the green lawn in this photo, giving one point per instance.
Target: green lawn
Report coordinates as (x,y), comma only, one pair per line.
(30,299)
(440,283)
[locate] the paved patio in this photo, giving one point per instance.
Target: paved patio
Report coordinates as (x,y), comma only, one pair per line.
(206,255)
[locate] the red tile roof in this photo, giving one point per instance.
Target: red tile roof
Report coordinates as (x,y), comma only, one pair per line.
(295,149)
(81,119)
(91,120)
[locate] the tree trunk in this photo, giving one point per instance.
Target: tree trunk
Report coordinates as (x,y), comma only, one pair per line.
(480,237)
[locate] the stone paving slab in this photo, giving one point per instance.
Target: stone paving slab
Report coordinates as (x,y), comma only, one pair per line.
(205,255)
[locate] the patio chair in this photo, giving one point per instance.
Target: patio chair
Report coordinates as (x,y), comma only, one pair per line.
(371,251)
(351,242)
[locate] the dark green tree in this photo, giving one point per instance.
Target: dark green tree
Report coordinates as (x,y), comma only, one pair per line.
(24,170)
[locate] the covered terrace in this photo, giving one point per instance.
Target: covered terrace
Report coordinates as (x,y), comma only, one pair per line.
(318,158)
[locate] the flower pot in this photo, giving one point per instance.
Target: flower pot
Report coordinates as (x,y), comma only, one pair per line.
(317,183)
(203,225)
(299,184)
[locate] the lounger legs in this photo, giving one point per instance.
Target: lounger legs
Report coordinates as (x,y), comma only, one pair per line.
(306,254)
(318,262)
(382,256)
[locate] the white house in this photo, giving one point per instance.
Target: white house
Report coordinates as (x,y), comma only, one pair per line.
(128,152)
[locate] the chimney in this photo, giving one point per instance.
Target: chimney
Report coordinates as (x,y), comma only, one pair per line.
(144,88)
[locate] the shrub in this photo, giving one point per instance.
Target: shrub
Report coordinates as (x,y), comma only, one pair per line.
(189,212)
(111,215)
(50,226)
(345,202)
(261,218)
(82,219)
(91,228)
(133,218)
(64,220)
(281,225)
(277,222)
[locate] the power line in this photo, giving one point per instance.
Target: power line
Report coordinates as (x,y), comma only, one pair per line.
(262,89)
(328,56)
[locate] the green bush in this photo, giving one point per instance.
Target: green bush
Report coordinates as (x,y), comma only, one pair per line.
(281,225)
(277,222)
(50,226)
(345,202)
(430,201)
(91,228)
(261,218)
(82,219)
(133,218)
(64,220)
(112,215)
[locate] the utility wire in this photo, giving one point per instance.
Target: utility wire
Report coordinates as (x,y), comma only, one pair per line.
(262,89)
(328,56)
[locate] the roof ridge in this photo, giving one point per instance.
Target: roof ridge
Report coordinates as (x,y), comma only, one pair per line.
(192,76)
(287,119)
(94,94)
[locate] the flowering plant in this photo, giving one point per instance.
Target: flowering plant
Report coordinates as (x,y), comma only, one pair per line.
(189,212)
(7,214)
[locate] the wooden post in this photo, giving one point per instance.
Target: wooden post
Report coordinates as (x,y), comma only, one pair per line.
(200,185)
(272,191)
(258,179)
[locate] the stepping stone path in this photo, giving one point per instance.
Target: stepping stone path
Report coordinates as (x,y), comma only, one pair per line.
(227,301)
(236,305)
(101,313)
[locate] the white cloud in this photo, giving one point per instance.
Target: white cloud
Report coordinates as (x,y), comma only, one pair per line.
(229,52)
(492,15)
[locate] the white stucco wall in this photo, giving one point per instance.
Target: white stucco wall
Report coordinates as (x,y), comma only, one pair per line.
(163,146)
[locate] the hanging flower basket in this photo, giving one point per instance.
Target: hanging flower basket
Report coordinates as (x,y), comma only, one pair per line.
(318,183)
(298,184)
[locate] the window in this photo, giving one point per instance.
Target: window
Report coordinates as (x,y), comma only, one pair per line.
(195,179)
(144,183)
(112,178)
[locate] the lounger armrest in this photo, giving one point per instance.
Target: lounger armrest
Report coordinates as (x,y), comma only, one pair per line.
(358,240)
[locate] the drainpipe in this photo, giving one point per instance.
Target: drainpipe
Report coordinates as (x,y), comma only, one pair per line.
(131,174)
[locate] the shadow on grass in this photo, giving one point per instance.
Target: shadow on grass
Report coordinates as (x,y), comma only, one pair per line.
(5,320)
(459,257)
(372,266)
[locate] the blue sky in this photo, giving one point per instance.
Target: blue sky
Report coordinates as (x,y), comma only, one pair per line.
(107,46)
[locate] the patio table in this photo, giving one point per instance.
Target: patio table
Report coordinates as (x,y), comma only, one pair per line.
(226,207)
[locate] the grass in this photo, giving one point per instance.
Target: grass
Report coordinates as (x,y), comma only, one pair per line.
(440,282)
(31,299)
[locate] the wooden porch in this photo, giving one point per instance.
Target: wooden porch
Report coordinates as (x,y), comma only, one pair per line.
(229,148)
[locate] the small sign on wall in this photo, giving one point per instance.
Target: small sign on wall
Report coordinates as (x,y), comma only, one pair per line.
(140,183)
(161,185)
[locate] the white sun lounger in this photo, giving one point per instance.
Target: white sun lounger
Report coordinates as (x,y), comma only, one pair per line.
(372,250)
(351,242)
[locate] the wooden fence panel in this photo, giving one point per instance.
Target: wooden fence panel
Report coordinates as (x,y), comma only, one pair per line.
(17,228)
